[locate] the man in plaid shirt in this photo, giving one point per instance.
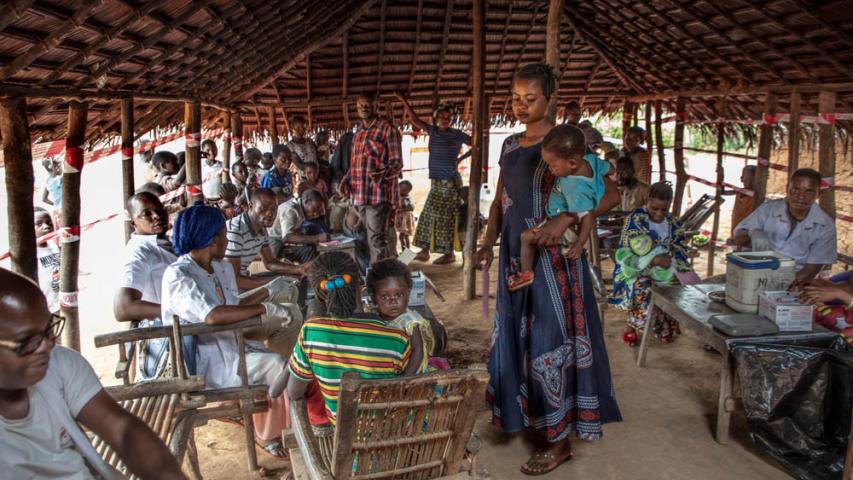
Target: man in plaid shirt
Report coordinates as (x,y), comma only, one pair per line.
(375,164)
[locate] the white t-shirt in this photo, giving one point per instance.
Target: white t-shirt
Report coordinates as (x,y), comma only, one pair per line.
(145,262)
(662,229)
(211,179)
(37,446)
(48,270)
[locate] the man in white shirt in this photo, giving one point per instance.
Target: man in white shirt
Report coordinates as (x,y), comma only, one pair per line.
(45,390)
(148,253)
(289,227)
(794,226)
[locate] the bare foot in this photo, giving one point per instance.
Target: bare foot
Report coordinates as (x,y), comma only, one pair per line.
(444,259)
(422,256)
(548,459)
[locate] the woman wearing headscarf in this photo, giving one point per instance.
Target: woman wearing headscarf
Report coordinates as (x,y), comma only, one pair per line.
(436,231)
(199,287)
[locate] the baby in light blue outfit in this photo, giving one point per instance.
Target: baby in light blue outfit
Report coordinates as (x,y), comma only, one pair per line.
(578,188)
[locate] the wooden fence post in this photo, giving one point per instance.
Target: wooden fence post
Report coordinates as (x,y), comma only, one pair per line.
(127,159)
(678,153)
(794,133)
(226,148)
(826,149)
(192,123)
(765,145)
(715,230)
(18,159)
(659,139)
(478,126)
(69,268)
(273,126)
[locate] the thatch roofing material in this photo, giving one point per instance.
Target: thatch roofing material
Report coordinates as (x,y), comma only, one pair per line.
(241,53)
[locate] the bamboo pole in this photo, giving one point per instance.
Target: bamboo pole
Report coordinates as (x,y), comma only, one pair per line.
(18,159)
(678,152)
(226,148)
(192,122)
(794,133)
(659,139)
(127,159)
(478,126)
(552,49)
(237,135)
(826,151)
(765,144)
(70,254)
(715,230)
(273,126)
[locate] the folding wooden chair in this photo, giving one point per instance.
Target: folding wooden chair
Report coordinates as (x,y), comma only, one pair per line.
(401,428)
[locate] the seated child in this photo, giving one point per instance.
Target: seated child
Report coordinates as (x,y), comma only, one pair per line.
(228,200)
(389,282)
(578,188)
(171,174)
(405,219)
(267,164)
(313,181)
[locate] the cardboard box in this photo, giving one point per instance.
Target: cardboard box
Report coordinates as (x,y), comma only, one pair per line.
(784,310)
(417,297)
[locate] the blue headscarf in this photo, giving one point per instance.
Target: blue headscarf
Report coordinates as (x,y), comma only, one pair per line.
(196,227)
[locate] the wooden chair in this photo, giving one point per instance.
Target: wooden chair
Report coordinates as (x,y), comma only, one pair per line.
(214,403)
(400,428)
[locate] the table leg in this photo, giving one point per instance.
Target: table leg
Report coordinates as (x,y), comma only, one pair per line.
(727,379)
(650,326)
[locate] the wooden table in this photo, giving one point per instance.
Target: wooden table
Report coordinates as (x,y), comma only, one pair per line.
(691,307)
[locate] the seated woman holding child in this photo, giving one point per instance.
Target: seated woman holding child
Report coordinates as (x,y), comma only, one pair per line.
(199,287)
(652,249)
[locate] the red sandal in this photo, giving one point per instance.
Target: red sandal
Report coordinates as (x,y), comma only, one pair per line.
(519,280)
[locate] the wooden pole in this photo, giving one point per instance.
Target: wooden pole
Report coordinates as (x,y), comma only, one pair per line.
(273,126)
(192,122)
(627,112)
(650,136)
(127,159)
(479,104)
(226,148)
(765,144)
(826,150)
(678,152)
(552,49)
(721,138)
(237,135)
(18,160)
(659,139)
(794,133)
(70,255)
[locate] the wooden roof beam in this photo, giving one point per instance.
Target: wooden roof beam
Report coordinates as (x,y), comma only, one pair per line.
(751,90)
(526,42)
(500,63)
(445,38)
(311,47)
(345,62)
(382,11)
(809,11)
(417,48)
(567,67)
(11,11)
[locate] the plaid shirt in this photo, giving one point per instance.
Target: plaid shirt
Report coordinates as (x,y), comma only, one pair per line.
(377,147)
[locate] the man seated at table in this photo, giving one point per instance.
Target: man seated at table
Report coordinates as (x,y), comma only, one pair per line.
(248,239)
(300,225)
(794,226)
(46,389)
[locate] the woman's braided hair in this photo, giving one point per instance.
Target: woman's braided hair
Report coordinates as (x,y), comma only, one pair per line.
(340,302)
(541,72)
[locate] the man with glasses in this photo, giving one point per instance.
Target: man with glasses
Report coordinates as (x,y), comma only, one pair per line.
(46,390)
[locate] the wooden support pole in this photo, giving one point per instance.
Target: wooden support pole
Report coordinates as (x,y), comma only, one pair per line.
(552,49)
(765,145)
(226,148)
(678,152)
(715,230)
(826,151)
(659,139)
(478,126)
(627,112)
(18,160)
(71,169)
(650,136)
(794,133)
(127,159)
(273,126)
(192,123)
(237,135)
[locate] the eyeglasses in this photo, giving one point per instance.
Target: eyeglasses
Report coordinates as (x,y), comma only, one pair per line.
(30,344)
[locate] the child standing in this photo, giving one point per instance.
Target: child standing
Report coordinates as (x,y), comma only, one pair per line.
(405,220)
(53,187)
(578,188)
(313,181)
(48,258)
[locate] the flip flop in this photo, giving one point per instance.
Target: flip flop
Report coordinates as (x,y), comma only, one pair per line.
(544,454)
(273,446)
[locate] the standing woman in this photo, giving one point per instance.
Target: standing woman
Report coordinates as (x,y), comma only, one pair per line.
(548,365)
(436,230)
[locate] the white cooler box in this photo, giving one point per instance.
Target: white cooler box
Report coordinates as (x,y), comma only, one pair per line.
(750,273)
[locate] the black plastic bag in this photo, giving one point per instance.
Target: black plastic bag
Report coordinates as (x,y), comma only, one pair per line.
(798,397)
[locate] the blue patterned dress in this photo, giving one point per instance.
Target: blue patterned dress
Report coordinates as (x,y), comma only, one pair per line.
(548,364)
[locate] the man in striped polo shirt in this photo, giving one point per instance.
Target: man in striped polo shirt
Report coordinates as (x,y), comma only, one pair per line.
(247,238)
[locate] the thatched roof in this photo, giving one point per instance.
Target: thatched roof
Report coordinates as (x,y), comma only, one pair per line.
(311,57)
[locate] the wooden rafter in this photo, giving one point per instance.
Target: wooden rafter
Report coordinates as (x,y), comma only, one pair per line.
(499,68)
(417,48)
(345,62)
(591,77)
(524,44)
(568,56)
(382,10)
(602,51)
(448,16)
(810,11)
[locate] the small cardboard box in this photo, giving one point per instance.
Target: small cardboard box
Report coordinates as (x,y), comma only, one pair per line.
(784,310)
(417,297)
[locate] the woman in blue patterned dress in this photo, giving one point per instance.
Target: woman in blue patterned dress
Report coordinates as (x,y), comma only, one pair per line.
(548,365)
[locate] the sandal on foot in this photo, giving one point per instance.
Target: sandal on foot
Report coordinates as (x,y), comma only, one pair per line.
(519,281)
(547,456)
(444,259)
(274,449)
(422,256)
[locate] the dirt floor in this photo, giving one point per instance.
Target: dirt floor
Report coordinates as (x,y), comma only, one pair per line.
(669,411)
